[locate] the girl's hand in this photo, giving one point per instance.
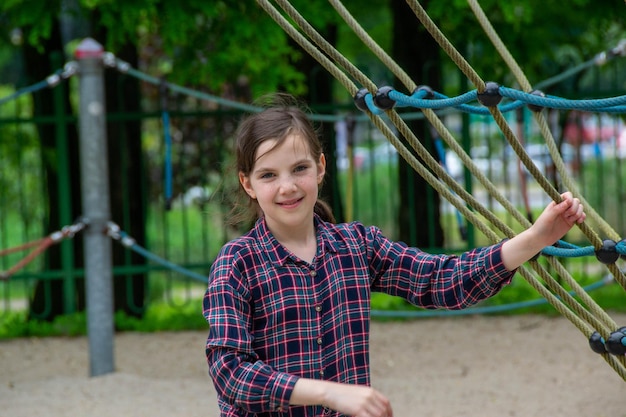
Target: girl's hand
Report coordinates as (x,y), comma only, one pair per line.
(557,219)
(351,400)
(358,401)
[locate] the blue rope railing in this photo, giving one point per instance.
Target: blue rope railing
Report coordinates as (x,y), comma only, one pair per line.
(484,309)
(127,241)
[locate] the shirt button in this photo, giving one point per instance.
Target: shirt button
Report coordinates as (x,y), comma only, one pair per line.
(313,273)
(318,308)
(319,341)
(322,374)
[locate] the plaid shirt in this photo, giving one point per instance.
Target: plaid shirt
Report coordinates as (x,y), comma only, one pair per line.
(274,318)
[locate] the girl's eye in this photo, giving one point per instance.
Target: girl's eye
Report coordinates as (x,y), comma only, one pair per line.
(267,175)
(300,168)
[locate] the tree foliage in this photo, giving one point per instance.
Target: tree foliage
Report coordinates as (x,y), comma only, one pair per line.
(214,44)
(209,44)
(544,37)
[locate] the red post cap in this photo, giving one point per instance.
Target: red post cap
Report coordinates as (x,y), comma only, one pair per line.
(89,48)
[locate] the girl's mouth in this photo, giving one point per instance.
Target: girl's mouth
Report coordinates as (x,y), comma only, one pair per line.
(291,203)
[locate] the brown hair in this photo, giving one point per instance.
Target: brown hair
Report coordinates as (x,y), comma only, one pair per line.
(283,115)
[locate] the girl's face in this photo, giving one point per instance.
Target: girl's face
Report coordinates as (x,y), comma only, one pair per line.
(285,181)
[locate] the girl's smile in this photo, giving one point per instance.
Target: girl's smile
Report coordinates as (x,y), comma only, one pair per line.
(291,203)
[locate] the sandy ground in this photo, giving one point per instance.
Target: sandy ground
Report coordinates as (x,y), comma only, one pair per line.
(451,367)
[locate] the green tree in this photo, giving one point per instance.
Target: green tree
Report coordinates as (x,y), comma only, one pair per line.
(229,48)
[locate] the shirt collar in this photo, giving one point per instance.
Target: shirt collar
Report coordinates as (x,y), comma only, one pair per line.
(277,253)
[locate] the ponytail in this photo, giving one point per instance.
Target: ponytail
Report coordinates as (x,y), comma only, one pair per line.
(323,210)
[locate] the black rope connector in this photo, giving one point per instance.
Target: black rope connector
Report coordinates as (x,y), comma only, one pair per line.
(607,254)
(382,100)
(430,94)
(596,343)
(616,343)
(491,96)
(535,107)
(359,99)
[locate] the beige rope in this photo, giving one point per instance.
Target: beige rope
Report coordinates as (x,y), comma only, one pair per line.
(306,45)
(443,183)
(553,284)
(326,46)
(460,61)
(430,115)
(508,133)
(443,42)
(545,130)
(373,46)
(567,181)
(550,142)
(519,150)
(604,328)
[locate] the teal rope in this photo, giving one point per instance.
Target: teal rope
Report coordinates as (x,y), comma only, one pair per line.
(131,244)
(504,108)
(439,101)
(416,100)
(210,97)
(561,103)
(612,104)
(567,250)
(26,90)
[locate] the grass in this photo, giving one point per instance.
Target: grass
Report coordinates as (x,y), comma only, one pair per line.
(158,317)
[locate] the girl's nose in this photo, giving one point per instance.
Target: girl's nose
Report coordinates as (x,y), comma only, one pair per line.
(287,185)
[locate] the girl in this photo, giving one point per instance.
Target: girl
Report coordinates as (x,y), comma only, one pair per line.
(288,303)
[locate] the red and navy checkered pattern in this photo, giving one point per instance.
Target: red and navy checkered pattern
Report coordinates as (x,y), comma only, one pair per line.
(274,318)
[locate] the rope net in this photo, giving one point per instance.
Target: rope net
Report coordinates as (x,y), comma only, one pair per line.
(379,104)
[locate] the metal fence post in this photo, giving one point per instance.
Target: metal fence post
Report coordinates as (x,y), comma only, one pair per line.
(96,207)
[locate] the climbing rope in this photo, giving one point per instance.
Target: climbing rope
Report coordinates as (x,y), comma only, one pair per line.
(619,50)
(607,251)
(375,102)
